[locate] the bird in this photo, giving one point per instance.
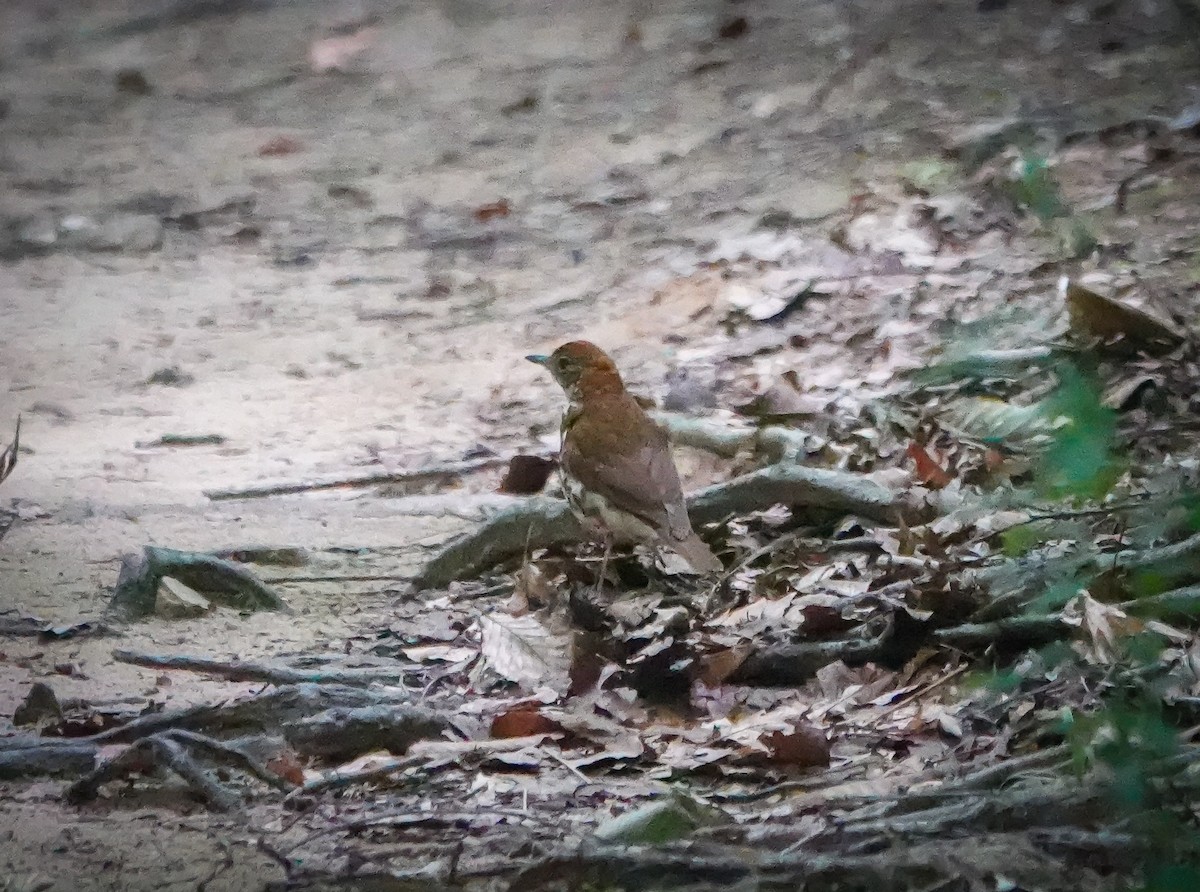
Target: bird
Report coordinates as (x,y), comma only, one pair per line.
(615,462)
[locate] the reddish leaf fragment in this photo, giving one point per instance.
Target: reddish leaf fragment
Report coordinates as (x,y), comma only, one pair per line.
(287,766)
(523,722)
(715,668)
(527,474)
(804,746)
(492,211)
(279,146)
(993,460)
(929,471)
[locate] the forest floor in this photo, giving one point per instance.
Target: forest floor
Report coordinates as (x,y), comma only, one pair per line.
(325,235)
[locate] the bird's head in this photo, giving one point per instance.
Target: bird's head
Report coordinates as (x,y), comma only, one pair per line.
(580,367)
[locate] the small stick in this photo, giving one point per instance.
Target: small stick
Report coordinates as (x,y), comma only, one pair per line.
(355,481)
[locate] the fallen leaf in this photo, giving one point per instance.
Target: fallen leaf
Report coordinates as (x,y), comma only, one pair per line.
(1116,324)
(524,651)
(716,667)
(670,819)
(438,653)
(805,746)
(523,722)
(929,471)
(287,766)
(279,146)
(527,474)
(491,211)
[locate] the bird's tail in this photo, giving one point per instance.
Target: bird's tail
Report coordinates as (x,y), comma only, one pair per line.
(695,552)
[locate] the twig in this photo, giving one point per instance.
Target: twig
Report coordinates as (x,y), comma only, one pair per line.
(356,481)
(239,670)
(233,754)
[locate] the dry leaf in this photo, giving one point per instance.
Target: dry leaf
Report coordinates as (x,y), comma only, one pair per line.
(523,722)
(287,766)
(929,471)
(522,650)
(804,746)
(279,146)
(527,474)
(491,211)
(784,399)
(1115,323)
(716,667)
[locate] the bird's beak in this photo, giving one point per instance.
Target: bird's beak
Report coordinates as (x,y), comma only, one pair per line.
(539,358)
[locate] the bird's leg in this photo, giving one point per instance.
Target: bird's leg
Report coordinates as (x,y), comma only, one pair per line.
(608,546)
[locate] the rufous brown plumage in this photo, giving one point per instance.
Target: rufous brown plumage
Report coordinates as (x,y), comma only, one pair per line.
(617,469)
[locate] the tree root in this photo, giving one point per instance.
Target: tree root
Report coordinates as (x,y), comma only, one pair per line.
(544,522)
(137,584)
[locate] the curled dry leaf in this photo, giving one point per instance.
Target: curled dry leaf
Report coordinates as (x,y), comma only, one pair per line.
(523,721)
(783,399)
(527,474)
(287,766)
(1117,325)
(718,666)
(929,471)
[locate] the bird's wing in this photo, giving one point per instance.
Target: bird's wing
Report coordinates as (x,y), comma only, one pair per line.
(641,481)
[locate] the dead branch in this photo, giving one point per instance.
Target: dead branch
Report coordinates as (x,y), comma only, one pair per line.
(8,457)
(237,754)
(162,751)
(420,753)
(1176,563)
(793,664)
(895,868)
(264,713)
(24,757)
(428,474)
(343,733)
(783,665)
(240,670)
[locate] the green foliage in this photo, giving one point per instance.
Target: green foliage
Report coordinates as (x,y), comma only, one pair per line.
(1036,190)
(1019,540)
(1081,461)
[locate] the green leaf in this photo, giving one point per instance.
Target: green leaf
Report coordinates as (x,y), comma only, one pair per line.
(1080,461)
(1036,189)
(666,820)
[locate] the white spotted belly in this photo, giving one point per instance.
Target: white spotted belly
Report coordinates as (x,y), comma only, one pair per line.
(598,516)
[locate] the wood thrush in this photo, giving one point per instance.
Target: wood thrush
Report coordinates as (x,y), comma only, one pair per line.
(617,471)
